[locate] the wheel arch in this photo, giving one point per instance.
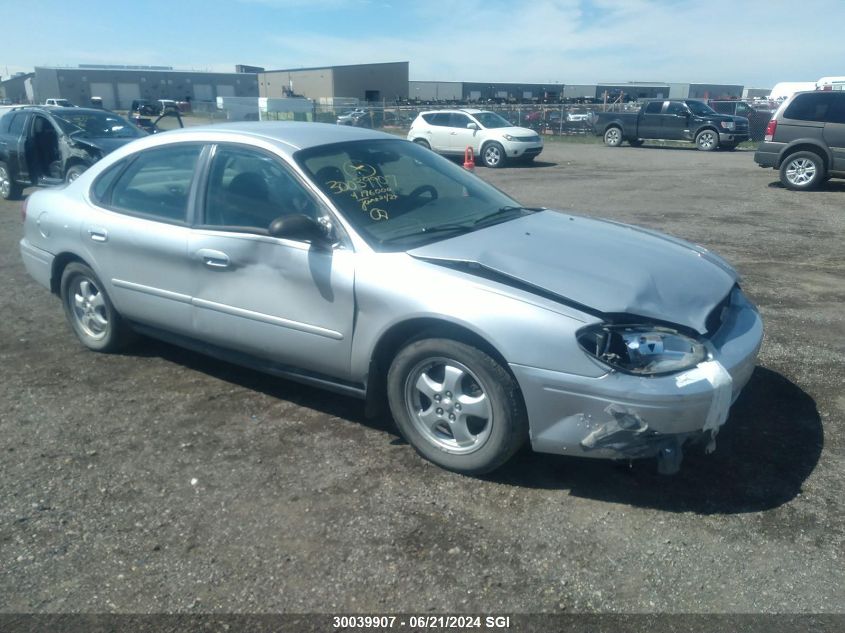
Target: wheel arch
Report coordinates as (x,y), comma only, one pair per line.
(400,334)
(60,262)
(805,146)
(72,162)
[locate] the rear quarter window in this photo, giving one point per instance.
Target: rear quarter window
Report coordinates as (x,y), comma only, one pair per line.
(814,106)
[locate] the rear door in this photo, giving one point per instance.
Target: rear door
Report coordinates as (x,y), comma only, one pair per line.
(440,137)
(834,130)
(16,146)
(675,121)
(137,235)
(651,121)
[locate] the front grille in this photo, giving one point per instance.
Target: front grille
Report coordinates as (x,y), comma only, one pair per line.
(527,139)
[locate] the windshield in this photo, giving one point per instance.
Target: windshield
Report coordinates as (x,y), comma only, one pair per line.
(87,124)
(491,120)
(699,108)
(399,195)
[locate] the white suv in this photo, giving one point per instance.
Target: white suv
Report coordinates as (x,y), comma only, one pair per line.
(493,139)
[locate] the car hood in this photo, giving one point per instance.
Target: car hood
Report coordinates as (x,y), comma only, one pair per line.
(515,131)
(597,265)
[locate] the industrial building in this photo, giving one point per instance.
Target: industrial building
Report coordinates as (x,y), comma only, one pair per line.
(383,82)
(118,86)
(17,89)
(718,92)
(468,92)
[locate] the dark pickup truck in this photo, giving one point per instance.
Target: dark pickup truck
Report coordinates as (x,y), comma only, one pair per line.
(49,146)
(673,120)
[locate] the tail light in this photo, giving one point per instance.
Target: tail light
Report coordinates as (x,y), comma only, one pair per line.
(23,209)
(770,130)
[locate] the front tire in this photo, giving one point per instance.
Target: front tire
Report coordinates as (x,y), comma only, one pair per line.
(74,172)
(456,405)
(9,190)
(802,171)
(707,140)
(493,155)
(90,312)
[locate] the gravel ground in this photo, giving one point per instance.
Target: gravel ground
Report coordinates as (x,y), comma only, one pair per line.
(159,480)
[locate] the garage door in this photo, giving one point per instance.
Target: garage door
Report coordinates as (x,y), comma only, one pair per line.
(126,94)
(202,92)
(106,92)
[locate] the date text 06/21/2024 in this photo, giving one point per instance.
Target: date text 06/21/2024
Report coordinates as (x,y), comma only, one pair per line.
(420,621)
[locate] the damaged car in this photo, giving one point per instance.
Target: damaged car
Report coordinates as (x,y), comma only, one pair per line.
(365,264)
(48,146)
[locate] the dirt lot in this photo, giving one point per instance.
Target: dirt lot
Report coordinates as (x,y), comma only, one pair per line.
(159,480)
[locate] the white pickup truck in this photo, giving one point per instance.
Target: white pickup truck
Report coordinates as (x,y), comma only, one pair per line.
(62,103)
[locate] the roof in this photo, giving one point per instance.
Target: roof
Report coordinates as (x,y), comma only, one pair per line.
(291,70)
(288,135)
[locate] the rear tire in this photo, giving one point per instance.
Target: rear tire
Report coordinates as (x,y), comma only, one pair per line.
(9,190)
(90,312)
(422,142)
(613,136)
(456,405)
(802,171)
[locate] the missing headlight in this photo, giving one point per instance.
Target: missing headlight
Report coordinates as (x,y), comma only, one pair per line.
(642,349)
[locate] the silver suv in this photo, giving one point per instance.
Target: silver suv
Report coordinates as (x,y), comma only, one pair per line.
(805,139)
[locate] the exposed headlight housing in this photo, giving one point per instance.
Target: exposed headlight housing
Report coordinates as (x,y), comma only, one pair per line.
(645,350)
(728,125)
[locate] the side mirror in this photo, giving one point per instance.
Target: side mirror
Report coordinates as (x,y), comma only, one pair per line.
(299,227)
(472,126)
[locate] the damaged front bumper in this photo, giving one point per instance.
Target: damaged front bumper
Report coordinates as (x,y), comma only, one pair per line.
(623,416)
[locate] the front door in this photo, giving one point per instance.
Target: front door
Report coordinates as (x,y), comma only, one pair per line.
(287,301)
(460,135)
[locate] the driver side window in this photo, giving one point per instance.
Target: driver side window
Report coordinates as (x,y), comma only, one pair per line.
(248,189)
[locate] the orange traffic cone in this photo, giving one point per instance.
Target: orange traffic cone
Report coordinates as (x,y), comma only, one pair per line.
(469,159)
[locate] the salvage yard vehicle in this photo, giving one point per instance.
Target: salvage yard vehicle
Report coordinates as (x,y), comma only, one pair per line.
(355,261)
(805,140)
(494,139)
(672,120)
(49,146)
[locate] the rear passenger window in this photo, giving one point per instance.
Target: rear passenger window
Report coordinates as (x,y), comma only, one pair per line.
(814,106)
(440,119)
(100,189)
(157,183)
(16,124)
(654,107)
(837,110)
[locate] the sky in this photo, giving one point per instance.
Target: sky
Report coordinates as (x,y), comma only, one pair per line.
(756,43)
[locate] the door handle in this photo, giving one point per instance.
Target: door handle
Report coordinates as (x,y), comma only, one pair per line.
(212,258)
(98,234)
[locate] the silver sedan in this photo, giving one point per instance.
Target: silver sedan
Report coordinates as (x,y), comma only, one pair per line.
(365,264)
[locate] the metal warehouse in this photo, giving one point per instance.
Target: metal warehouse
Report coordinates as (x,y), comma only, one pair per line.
(366,82)
(118,86)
